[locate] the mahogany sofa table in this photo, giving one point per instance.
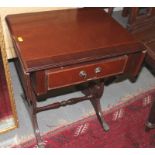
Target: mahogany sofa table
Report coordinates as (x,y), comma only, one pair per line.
(63,48)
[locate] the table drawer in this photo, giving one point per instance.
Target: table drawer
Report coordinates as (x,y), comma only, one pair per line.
(78,74)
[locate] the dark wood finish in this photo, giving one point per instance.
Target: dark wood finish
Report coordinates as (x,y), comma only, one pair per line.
(125,11)
(56,49)
(139,19)
(150,59)
(69,76)
(86,26)
(96,90)
(150,124)
(142,26)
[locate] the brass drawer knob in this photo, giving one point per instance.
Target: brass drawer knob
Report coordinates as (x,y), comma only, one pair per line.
(98,70)
(83,74)
(20,39)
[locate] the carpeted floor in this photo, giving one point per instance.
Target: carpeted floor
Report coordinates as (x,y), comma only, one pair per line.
(127,129)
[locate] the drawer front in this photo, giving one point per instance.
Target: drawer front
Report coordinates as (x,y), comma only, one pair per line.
(74,75)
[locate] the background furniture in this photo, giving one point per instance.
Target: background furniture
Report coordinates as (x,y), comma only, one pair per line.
(79,46)
(141,24)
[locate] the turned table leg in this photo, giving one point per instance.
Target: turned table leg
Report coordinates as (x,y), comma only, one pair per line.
(96,90)
(40,142)
(31,107)
(150,124)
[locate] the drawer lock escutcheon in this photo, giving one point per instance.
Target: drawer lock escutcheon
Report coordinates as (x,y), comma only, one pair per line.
(83,74)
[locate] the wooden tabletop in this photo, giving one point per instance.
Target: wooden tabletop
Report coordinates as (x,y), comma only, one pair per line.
(57,38)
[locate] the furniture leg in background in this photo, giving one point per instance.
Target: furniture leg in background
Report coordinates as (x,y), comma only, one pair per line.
(150,124)
(141,23)
(150,61)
